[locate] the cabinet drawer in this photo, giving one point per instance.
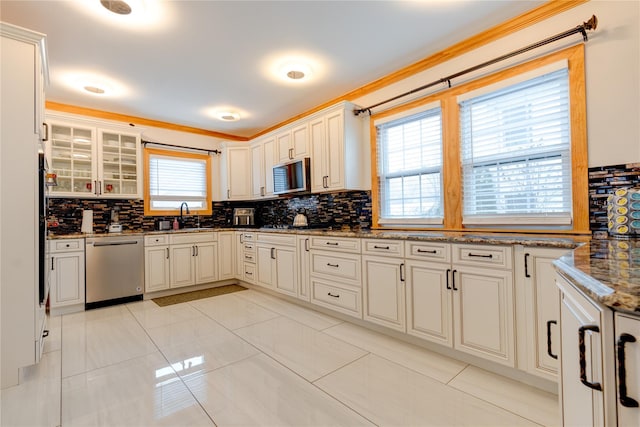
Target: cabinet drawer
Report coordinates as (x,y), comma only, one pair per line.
(185,238)
(156,240)
(248,237)
(250,257)
(335,244)
(379,246)
(341,266)
(347,301)
(440,252)
(249,273)
(277,239)
(249,247)
(483,256)
(66,245)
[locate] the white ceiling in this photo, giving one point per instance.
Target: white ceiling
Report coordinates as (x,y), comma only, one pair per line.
(192,56)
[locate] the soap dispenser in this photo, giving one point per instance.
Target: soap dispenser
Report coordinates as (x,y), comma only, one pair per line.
(175,224)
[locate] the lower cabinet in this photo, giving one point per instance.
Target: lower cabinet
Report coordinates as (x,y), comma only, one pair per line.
(226,255)
(628,369)
(384,291)
(156,268)
(587,385)
(277,263)
(304,258)
(67,282)
(193,263)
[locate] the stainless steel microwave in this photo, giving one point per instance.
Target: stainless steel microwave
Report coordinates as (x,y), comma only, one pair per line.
(292,177)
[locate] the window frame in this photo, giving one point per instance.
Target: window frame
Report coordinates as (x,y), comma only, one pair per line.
(147,152)
(451,150)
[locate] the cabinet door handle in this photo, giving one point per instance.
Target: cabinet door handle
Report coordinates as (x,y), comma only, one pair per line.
(46,132)
(402,272)
(273,253)
(95,187)
(262,191)
(471,254)
(197,251)
(325,180)
(333,295)
(333,265)
(622,371)
(424,251)
(332,243)
(306,245)
(448,272)
(53,265)
(526,267)
(381,247)
(583,357)
(45,333)
(99,188)
(193,251)
(241,238)
(453,280)
(291,153)
(549,323)
(167,253)
(228,193)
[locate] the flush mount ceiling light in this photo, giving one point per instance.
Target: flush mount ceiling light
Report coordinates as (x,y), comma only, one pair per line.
(94,89)
(228,116)
(119,7)
(296,71)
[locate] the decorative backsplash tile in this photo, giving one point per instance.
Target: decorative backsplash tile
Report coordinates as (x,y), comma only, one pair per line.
(350,208)
(604,180)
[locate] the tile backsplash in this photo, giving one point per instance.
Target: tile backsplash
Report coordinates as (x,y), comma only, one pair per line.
(349,208)
(602,181)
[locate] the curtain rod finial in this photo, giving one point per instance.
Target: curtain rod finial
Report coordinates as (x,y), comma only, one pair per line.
(592,23)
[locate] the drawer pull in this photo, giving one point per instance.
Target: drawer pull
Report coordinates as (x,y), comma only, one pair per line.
(381,247)
(625,400)
(480,255)
(333,265)
(248,257)
(332,243)
(248,273)
(333,295)
(583,357)
(424,251)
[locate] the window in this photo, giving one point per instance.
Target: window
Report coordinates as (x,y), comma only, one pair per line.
(172,178)
(504,152)
(410,167)
(516,153)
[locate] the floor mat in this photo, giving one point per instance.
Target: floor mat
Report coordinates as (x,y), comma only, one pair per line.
(191,296)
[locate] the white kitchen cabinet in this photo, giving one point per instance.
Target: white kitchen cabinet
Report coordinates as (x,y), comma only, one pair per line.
(238,173)
(384,291)
(587,392)
(627,329)
(91,161)
(262,159)
(248,256)
(67,283)
(339,155)
(293,143)
(156,268)
(206,257)
(429,301)
(193,259)
(226,255)
(183,271)
(276,263)
(484,319)
(335,266)
(537,310)
(21,102)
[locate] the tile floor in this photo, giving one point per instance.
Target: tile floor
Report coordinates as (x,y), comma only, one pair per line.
(248,358)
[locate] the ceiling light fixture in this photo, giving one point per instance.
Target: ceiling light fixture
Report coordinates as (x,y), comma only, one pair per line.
(94,89)
(116,6)
(228,116)
(296,71)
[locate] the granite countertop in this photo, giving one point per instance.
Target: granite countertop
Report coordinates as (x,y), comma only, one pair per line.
(562,242)
(608,270)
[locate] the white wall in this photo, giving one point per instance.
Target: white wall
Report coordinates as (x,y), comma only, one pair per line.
(612,74)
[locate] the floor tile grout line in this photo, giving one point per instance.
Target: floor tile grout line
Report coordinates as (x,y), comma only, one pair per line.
(174,371)
(458,374)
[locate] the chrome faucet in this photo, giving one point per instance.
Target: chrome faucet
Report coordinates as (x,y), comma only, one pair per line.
(181,220)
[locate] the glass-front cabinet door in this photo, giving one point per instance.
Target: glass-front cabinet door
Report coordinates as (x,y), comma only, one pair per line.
(72,160)
(119,167)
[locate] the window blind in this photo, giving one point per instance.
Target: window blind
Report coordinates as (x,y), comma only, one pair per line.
(516,153)
(173,180)
(410,168)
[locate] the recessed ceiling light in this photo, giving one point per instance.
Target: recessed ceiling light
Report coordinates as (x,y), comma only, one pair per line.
(228,116)
(94,89)
(116,6)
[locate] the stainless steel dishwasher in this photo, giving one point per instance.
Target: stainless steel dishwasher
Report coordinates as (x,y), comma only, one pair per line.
(114,270)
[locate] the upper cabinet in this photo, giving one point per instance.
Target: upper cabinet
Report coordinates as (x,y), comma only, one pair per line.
(94,162)
(262,160)
(339,157)
(293,143)
(237,161)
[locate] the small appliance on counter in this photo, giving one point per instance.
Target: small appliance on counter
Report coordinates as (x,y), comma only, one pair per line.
(243,217)
(164,225)
(300,220)
(114,225)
